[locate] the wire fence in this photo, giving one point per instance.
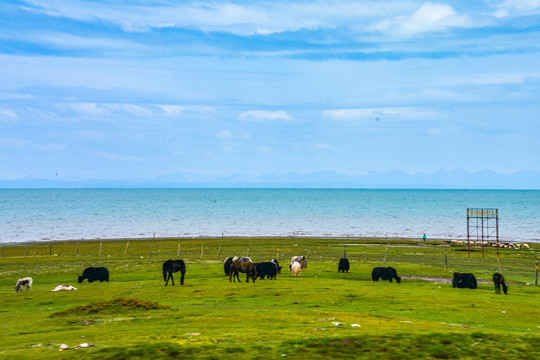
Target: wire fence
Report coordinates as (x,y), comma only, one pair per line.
(438,255)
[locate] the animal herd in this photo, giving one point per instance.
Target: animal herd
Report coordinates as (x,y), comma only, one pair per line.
(233,266)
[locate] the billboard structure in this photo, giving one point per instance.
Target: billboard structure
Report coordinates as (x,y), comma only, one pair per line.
(482,225)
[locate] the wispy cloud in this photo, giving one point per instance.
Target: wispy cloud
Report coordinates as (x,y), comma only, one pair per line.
(259,17)
(100,109)
(7,115)
(378,114)
(173,110)
(14,143)
(506,8)
(429,17)
(261,115)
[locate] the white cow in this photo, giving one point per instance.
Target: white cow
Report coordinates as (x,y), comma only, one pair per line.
(64,288)
(27,281)
(301,259)
(296,267)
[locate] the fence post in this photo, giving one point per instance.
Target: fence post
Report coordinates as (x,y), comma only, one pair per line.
(445,260)
(150,255)
(77,251)
(25,249)
(202,251)
(125,251)
(364,253)
(248,253)
(277,254)
(100,247)
(3,248)
(308,251)
(345,252)
(385,253)
(178,252)
(218,251)
(536,274)
(50,248)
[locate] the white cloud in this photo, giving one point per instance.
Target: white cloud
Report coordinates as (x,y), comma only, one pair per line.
(172,110)
(259,115)
(262,17)
(8,115)
(429,17)
(100,109)
(377,114)
(322,146)
(516,7)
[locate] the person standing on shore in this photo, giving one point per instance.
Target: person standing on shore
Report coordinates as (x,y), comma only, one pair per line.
(424,237)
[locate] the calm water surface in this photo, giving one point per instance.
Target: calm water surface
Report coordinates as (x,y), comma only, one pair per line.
(33,215)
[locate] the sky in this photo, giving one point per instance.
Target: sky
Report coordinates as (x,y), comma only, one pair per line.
(138,89)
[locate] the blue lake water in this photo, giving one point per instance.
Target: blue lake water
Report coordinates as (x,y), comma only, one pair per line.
(66,214)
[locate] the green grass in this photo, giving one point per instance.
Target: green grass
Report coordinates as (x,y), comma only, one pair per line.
(135,317)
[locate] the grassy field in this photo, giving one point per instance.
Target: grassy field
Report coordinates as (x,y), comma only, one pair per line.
(135,317)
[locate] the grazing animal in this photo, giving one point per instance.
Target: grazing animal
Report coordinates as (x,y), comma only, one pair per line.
(301,259)
(24,282)
(277,263)
(64,288)
(227,265)
(267,269)
(464,280)
(246,267)
(385,273)
(172,266)
(296,267)
(343,265)
(498,280)
(241,258)
(94,274)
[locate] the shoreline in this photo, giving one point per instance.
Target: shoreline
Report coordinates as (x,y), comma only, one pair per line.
(372,240)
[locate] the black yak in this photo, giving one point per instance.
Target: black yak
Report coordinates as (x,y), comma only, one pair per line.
(464,280)
(172,266)
(385,273)
(343,265)
(498,280)
(94,274)
(267,269)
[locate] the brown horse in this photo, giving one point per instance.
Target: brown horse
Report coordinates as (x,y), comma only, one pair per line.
(246,267)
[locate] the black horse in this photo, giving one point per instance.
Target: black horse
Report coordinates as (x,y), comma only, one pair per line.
(172,266)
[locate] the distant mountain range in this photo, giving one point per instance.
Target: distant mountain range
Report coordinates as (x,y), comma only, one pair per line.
(394,179)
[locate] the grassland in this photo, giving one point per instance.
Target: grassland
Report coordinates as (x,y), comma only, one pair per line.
(135,317)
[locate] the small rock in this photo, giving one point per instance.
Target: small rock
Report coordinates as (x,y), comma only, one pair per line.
(337,323)
(356,325)
(64,347)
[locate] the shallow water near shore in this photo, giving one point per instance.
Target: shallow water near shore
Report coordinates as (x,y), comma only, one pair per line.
(66,214)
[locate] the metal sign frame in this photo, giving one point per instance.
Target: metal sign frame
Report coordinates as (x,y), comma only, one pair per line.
(480,226)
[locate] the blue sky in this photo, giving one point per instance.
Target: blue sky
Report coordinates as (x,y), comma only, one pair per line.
(126,89)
